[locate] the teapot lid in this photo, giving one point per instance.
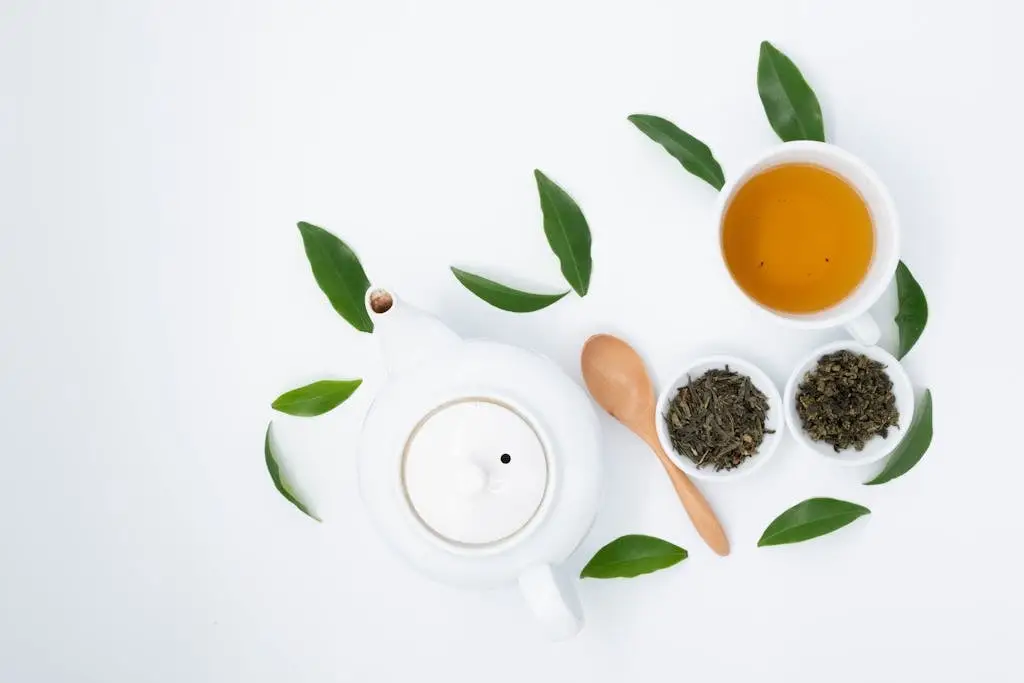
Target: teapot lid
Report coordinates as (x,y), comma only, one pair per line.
(475,471)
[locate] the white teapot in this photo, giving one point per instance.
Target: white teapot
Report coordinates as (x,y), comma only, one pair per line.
(480,462)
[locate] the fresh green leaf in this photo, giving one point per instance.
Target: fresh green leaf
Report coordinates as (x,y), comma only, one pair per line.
(791,106)
(340,275)
(913,445)
(632,555)
(812,518)
(316,398)
(693,154)
(567,232)
(913,311)
(275,475)
(505,298)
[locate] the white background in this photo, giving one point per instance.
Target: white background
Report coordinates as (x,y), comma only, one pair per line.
(154,298)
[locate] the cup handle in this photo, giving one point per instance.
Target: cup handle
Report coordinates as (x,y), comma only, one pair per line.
(555,605)
(864,329)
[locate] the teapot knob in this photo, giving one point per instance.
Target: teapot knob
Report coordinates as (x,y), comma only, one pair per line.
(470,479)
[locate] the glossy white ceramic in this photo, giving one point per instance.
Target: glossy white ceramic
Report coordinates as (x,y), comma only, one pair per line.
(431,470)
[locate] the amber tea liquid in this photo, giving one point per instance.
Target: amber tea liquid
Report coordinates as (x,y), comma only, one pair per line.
(797,238)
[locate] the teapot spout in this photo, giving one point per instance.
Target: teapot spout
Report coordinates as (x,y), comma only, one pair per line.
(407,336)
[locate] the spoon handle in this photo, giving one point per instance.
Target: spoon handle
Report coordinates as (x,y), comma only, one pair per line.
(696,505)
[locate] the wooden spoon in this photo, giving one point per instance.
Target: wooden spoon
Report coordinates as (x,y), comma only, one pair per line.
(616,377)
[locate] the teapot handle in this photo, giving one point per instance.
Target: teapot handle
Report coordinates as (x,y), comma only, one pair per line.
(554,603)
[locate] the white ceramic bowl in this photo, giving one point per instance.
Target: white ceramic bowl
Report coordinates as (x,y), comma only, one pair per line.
(875,449)
(774,419)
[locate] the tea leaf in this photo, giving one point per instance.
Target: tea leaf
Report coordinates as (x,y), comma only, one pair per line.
(632,555)
(567,232)
(717,419)
(340,275)
(316,398)
(912,315)
(275,475)
(812,518)
(912,447)
(693,154)
(846,400)
(505,298)
(792,108)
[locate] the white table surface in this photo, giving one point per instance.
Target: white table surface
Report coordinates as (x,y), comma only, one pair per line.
(154,298)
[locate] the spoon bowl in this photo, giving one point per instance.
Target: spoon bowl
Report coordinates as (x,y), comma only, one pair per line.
(617,379)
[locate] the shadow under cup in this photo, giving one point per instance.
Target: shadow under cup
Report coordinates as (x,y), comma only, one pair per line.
(849,309)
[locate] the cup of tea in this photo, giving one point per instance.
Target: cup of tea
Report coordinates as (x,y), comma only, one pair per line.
(809,233)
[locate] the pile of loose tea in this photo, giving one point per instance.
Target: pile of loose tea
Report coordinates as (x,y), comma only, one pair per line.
(846,400)
(717,419)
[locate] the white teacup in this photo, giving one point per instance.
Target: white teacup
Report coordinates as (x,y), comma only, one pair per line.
(851,312)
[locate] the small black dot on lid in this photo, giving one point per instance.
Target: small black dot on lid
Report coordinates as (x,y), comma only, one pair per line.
(761,265)
(506,458)
(826,259)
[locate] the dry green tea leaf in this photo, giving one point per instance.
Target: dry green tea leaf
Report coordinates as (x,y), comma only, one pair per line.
(717,420)
(846,400)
